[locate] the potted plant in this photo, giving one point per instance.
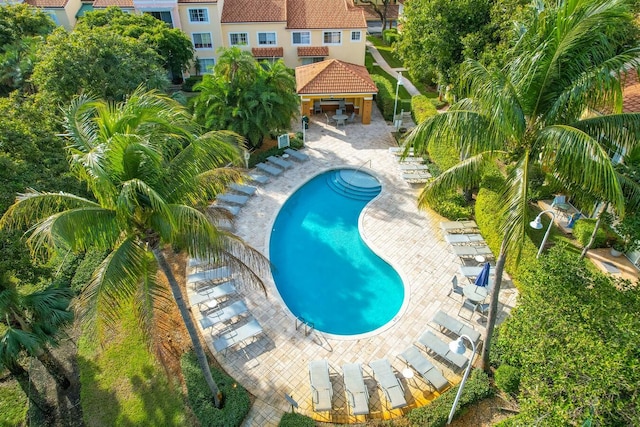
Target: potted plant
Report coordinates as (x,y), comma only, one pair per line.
(628,231)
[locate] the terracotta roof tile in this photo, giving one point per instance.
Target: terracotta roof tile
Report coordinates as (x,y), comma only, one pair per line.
(47,3)
(119,3)
(197,1)
(631,93)
(313,51)
(324,14)
(267,52)
(254,11)
(333,76)
(371,15)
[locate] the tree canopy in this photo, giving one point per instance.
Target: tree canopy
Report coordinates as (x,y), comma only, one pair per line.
(171,44)
(100,62)
(18,21)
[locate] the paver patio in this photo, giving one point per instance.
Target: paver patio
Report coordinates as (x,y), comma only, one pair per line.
(409,239)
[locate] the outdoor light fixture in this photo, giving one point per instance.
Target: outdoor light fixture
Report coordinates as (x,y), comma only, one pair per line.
(458,347)
(395,105)
(537,224)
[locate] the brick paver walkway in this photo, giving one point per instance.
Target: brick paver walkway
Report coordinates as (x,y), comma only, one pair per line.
(409,239)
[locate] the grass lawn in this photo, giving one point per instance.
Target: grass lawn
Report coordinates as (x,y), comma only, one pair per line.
(556,236)
(122,384)
(386,52)
(13,403)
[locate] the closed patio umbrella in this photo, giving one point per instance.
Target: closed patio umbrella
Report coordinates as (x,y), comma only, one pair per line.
(483,277)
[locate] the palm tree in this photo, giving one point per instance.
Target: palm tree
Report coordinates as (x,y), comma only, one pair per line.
(31,321)
(532,113)
(150,175)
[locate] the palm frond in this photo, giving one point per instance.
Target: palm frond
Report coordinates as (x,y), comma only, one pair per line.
(516,205)
(618,132)
(137,193)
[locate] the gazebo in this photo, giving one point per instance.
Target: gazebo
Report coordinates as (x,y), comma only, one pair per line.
(328,85)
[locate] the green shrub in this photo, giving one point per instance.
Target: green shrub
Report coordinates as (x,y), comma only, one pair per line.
(291,419)
(422,108)
(453,206)
(189,82)
(236,401)
(438,103)
(584,228)
(386,96)
(436,414)
(86,268)
(390,36)
(444,154)
(368,62)
(508,379)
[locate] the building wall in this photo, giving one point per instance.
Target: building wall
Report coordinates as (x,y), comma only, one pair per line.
(65,17)
(213,27)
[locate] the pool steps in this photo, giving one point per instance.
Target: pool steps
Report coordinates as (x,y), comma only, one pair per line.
(354,184)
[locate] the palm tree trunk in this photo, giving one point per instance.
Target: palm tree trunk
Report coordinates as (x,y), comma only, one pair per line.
(493,306)
(595,232)
(188,322)
(28,387)
(53,367)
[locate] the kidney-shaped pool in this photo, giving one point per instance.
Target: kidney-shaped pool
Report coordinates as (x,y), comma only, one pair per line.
(324,271)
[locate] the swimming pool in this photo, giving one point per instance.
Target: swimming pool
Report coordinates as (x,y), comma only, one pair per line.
(323,270)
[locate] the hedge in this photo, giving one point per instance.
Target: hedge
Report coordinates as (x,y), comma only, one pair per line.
(508,379)
(436,414)
(422,108)
(292,419)
(236,401)
(189,82)
(583,229)
(452,206)
(390,36)
(386,96)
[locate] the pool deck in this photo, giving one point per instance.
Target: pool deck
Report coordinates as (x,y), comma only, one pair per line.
(410,240)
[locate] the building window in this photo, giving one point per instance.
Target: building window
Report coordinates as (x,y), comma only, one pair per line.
(301,37)
(206,65)
(198,15)
(238,39)
(266,39)
(331,37)
(312,60)
(163,16)
(202,40)
(356,36)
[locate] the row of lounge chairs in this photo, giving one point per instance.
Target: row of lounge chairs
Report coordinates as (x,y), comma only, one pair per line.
(356,391)
(467,243)
(214,292)
(275,165)
(413,168)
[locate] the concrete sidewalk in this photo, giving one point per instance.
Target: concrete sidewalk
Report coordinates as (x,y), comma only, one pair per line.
(392,71)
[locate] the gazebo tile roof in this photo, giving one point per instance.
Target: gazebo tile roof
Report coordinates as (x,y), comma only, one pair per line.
(333,76)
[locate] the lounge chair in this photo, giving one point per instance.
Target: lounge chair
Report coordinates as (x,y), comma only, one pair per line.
(235,199)
(416,175)
(321,389)
(399,151)
(207,299)
(260,179)
(443,320)
(233,210)
(203,278)
(388,382)
(237,335)
(458,226)
(454,287)
(295,154)
(460,238)
(269,169)
(224,314)
(471,251)
(247,190)
(473,271)
(439,347)
(355,388)
(284,164)
(413,357)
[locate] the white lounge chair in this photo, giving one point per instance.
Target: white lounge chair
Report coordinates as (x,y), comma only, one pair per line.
(472,251)
(414,358)
(244,189)
(284,164)
(388,382)
(271,170)
(416,176)
(356,389)
(413,167)
(439,347)
(233,210)
(260,179)
(237,335)
(458,226)
(443,320)
(208,298)
(207,277)
(321,388)
(473,271)
(398,151)
(460,238)
(224,314)
(295,154)
(235,199)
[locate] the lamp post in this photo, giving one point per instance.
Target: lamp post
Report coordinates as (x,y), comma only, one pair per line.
(457,346)
(537,224)
(395,105)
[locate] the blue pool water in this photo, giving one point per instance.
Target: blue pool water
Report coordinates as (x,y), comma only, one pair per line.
(323,270)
